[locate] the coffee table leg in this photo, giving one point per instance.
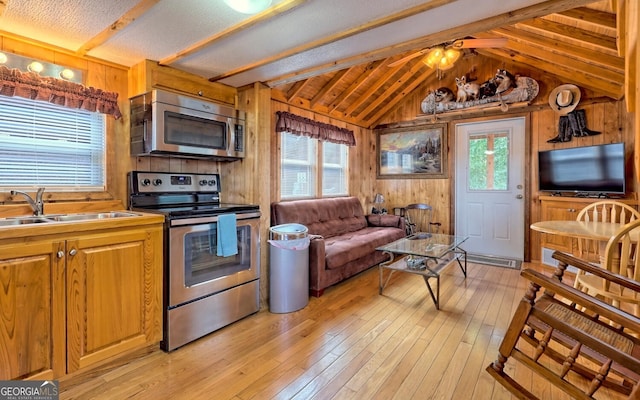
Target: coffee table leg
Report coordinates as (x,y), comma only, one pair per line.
(464,253)
(381,267)
(435,297)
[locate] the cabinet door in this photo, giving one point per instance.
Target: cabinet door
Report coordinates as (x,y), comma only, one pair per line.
(560,211)
(112,303)
(32,318)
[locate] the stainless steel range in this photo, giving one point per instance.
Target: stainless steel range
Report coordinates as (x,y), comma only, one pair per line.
(204,288)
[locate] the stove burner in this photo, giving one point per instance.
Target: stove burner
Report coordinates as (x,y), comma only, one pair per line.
(211,209)
(180,195)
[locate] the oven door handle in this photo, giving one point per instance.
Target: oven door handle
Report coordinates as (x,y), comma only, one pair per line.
(208,219)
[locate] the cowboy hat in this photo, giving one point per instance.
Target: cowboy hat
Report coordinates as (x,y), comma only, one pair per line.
(564,98)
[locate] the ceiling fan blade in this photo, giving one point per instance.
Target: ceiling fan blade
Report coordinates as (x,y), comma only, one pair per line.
(409,57)
(479,43)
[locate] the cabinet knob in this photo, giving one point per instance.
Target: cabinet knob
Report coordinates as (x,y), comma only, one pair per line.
(571,210)
(73,252)
(60,254)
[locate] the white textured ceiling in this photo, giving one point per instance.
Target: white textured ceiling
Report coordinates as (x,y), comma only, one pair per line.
(171,26)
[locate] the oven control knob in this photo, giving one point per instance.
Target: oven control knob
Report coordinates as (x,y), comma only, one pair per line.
(146,182)
(157,182)
(203,183)
(212,182)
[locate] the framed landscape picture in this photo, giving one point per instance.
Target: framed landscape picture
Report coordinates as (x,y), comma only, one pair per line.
(412,152)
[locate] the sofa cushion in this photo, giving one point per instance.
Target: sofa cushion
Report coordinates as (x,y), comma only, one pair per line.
(324,217)
(351,246)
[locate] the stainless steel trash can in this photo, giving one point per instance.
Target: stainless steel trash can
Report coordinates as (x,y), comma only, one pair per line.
(288,268)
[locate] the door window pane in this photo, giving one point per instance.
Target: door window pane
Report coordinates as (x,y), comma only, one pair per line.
(489,161)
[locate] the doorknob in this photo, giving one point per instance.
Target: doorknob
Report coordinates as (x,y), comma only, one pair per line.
(519,196)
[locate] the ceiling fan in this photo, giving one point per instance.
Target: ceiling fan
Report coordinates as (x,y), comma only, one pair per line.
(445,55)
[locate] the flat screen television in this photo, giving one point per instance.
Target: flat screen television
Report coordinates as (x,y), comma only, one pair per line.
(589,170)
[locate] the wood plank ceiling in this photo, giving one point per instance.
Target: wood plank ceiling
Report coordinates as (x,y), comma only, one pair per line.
(578,46)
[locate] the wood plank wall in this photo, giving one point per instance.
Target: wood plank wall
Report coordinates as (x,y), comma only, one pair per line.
(603,114)
(254,180)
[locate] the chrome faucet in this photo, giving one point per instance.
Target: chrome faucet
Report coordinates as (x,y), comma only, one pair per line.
(37,205)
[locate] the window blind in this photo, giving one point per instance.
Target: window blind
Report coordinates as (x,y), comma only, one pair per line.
(46,145)
(334,169)
(298,165)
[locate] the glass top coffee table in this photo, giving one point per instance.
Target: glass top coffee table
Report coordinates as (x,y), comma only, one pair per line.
(425,254)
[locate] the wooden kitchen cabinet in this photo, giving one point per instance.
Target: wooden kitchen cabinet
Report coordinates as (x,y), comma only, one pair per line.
(557,208)
(32,314)
(71,301)
(113,295)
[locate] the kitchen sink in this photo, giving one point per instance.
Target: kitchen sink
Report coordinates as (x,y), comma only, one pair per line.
(91,216)
(23,221)
(16,221)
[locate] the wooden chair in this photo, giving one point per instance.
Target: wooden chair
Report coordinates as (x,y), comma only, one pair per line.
(564,335)
(602,211)
(418,218)
(620,257)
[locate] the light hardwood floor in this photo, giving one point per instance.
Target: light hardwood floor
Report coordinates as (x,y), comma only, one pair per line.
(351,343)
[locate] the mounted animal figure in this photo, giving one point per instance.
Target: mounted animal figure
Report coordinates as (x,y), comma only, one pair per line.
(467,91)
(521,89)
(504,81)
(443,94)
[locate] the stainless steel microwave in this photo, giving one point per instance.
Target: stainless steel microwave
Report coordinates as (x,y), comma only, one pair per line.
(166,123)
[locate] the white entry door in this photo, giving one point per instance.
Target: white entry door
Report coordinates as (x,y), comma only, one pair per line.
(489,189)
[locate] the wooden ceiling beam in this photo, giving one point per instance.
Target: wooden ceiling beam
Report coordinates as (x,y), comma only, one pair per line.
(243,26)
(621,19)
(396,86)
(596,18)
(429,5)
(615,91)
(371,89)
(572,34)
(296,89)
(557,47)
(302,103)
(632,62)
(508,18)
(337,77)
(391,102)
(135,12)
(585,68)
(369,71)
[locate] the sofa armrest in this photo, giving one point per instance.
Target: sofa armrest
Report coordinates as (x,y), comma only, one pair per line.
(317,261)
(385,220)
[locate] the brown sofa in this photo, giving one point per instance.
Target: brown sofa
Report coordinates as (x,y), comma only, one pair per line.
(343,238)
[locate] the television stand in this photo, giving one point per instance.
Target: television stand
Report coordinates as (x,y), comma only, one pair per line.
(558,208)
(593,195)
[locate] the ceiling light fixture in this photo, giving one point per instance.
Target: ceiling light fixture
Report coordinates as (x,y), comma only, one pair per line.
(35,67)
(248,6)
(42,68)
(441,58)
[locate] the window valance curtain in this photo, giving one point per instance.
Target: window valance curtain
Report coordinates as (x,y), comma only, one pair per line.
(30,85)
(302,126)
